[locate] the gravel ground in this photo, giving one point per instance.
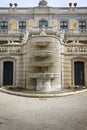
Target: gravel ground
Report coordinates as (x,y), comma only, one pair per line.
(64,113)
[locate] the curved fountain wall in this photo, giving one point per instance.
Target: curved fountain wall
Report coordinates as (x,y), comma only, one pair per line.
(43,67)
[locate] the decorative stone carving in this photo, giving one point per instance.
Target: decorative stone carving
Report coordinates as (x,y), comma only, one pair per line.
(43,31)
(43,3)
(25,38)
(61,35)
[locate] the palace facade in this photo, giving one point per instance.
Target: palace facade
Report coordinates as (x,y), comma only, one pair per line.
(43,48)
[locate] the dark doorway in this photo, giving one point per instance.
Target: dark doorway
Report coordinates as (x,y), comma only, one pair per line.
(8,73)
(79,73)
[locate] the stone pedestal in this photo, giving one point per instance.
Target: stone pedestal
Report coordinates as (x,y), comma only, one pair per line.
(43,85)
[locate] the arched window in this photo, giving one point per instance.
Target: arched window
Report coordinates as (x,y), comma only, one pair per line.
(43,22)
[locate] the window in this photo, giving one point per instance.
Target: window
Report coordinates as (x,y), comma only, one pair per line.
(22,25)
(63,25)
(4,25)
(82,26)
(43,22)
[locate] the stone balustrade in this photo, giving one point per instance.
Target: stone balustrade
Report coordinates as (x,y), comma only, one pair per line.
(48,30)
(10,49)
(76,32)
(76,49)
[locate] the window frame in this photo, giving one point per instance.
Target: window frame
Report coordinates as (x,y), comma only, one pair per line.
(4,25)
(82,25)
(63,25)
(22,25)
(43,22)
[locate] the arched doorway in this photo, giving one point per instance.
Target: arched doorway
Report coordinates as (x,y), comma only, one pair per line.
(7,73)
(79,73)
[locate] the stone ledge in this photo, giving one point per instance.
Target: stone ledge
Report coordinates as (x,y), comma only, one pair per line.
(42,95)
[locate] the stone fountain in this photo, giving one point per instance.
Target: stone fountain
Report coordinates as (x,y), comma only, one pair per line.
(43,65)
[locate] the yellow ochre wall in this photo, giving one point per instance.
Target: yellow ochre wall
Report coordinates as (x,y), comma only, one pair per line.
(55,22)
(13,25)
(30,23)
(73,24)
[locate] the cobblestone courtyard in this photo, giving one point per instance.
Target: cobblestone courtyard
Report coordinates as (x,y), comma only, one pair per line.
(64,113)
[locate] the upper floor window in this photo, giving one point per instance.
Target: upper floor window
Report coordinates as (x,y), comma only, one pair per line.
(63,25)
(43,22)
(4,25)
(22,25)
(82,25)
